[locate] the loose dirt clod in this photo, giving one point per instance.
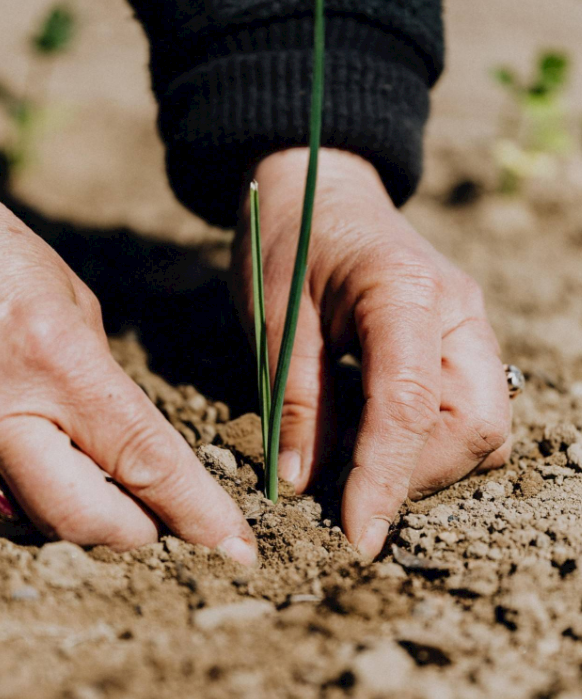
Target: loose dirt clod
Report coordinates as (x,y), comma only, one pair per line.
(64,565)
(217,459)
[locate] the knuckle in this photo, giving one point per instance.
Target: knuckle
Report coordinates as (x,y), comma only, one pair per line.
(420,279)
(44,336)
(483,437)
(298,413)
(407,286)
(145,461)
(413,406)
(394,482)
(88,301)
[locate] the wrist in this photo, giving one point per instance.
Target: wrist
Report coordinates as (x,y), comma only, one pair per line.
(348,190)
(342,177)
(287,169)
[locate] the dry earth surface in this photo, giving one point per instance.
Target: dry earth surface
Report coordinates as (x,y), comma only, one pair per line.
(479,590)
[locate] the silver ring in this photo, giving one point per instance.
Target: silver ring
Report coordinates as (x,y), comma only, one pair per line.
(515,380)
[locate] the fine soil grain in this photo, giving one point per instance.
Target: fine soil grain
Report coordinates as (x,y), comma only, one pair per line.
(477,594)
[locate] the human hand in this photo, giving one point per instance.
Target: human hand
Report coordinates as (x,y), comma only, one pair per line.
(69,416)
(436,399)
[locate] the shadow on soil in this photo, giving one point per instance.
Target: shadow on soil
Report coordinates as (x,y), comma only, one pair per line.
(179,304)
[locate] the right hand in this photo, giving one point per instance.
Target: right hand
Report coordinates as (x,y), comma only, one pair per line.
(69,416)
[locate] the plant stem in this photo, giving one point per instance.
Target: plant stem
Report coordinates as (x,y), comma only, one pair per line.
(264,380)
(285,352)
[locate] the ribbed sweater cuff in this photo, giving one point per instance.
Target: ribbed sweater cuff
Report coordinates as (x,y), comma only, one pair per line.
(249,95)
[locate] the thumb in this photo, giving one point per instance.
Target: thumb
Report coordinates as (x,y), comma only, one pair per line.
(307,420)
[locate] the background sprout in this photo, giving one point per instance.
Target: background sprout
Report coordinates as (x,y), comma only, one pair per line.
(55,33)
(53,38)
(535,132)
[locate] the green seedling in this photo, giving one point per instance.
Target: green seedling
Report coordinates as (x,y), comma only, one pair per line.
(263,377)
(55,33)
(535,131)
(25,112)
(272,408)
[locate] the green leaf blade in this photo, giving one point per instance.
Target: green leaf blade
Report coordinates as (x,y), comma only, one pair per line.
(263,377)
(300,268)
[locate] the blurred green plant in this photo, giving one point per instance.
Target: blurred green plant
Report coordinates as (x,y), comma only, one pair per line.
(535,131)
(56,32)
(25,112)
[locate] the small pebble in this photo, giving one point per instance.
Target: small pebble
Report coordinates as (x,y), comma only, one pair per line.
(384,668)
(448,536)
(495,489)
(416,521)
(388,569)
(64,565)
(560,555)
(411,536)
(222,411)
(301,599)
(478,549)
(86,692)
(26,592)
(207,433)
(494,554)
(210,414)
(574,454)
(173,545)
(441,514)
(197,403)
(557,436)
(238,613)
(489,491)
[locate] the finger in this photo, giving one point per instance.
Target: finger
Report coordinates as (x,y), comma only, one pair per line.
(63,492)
(502,456)
(401,354)
(307,424)
(115,424)
(497,459)
(475,419)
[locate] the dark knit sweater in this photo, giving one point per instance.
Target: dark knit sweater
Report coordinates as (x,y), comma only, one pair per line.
(233,80)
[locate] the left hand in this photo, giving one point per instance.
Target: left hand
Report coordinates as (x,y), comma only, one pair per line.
(436,398)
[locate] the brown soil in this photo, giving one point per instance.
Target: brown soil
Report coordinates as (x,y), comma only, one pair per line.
(476,595)
(479,590)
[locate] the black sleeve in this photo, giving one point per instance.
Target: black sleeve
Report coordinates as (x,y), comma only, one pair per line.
(233,80)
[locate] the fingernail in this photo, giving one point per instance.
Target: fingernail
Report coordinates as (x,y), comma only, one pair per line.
(290,465)
(372,540)
(239,550)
